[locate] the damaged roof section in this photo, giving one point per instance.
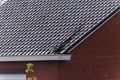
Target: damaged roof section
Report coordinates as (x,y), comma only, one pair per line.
(50,27)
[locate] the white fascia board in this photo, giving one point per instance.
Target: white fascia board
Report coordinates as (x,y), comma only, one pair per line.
(12,76)
(60,57)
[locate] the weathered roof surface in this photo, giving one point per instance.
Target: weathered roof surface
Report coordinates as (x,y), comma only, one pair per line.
(41,27)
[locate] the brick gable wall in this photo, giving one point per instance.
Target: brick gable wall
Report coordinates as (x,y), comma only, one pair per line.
(98,57)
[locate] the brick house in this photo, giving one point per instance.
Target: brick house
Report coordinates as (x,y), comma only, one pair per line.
(50,40)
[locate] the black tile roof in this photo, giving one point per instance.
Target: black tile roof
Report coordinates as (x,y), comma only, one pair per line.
(47,27)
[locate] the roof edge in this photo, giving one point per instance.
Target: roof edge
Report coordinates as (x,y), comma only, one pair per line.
(57,57)
(94,30)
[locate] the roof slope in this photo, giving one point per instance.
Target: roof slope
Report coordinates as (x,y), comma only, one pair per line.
(47,27)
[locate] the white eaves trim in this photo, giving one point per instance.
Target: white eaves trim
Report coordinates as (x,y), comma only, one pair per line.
(60,57)
(12,76)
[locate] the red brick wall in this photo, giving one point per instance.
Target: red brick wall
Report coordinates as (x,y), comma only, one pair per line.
(98,57)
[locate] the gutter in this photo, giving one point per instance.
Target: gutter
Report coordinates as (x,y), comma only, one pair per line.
(57,57)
